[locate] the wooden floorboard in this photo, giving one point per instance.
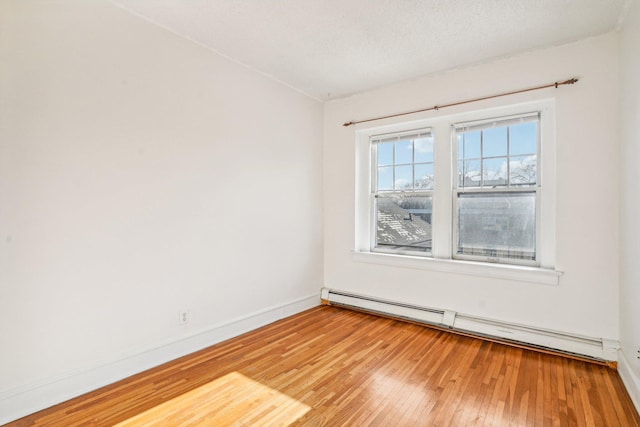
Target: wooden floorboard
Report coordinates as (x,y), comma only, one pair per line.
(336,367)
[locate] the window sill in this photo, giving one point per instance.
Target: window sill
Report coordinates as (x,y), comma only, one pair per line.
(497,271)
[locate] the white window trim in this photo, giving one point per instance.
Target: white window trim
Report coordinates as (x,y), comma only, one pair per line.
(441,257)
(518,273)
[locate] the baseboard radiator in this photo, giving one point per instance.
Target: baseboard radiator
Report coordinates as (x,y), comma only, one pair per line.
(597,349)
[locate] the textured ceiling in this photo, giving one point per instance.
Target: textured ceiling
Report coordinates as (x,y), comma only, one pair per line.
(333,48)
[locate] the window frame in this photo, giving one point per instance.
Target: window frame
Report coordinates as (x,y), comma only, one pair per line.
(441,259)
(377,194)
(457,190)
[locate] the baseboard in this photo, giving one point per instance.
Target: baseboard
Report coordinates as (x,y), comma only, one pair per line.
(19,402)
(630,379)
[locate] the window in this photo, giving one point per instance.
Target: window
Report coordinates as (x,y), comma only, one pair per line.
(402,191)
(496,191)
(465,187)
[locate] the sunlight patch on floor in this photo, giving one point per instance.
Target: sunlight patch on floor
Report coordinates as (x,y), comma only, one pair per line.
(231,400)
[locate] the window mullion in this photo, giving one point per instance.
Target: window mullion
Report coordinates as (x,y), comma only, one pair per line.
(482,159)
(442,167)
(508,157)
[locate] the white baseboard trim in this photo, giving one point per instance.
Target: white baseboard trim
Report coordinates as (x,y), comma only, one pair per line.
(630,379)
(21,401)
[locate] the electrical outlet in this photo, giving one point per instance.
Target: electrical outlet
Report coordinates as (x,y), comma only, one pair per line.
(184,316)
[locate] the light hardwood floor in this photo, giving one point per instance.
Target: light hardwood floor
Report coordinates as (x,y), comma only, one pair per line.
(331,366)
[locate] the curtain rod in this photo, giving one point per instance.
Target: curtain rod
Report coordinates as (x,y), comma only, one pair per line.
(468,101)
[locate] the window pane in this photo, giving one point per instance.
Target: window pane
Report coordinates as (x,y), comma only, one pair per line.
(424,176)
(385,178)
(471,173)
(404,178)
(523,138)
(471,145)
(499,225)
(404,222)
(423,150)
(494,142)
(404,151)
(494,172)
(523,170)
(385,153)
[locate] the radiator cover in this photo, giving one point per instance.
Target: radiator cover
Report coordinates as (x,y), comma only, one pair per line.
(599,349)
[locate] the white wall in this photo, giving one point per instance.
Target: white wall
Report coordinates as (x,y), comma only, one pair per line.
(141,174)
(630,202)
(586,299)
